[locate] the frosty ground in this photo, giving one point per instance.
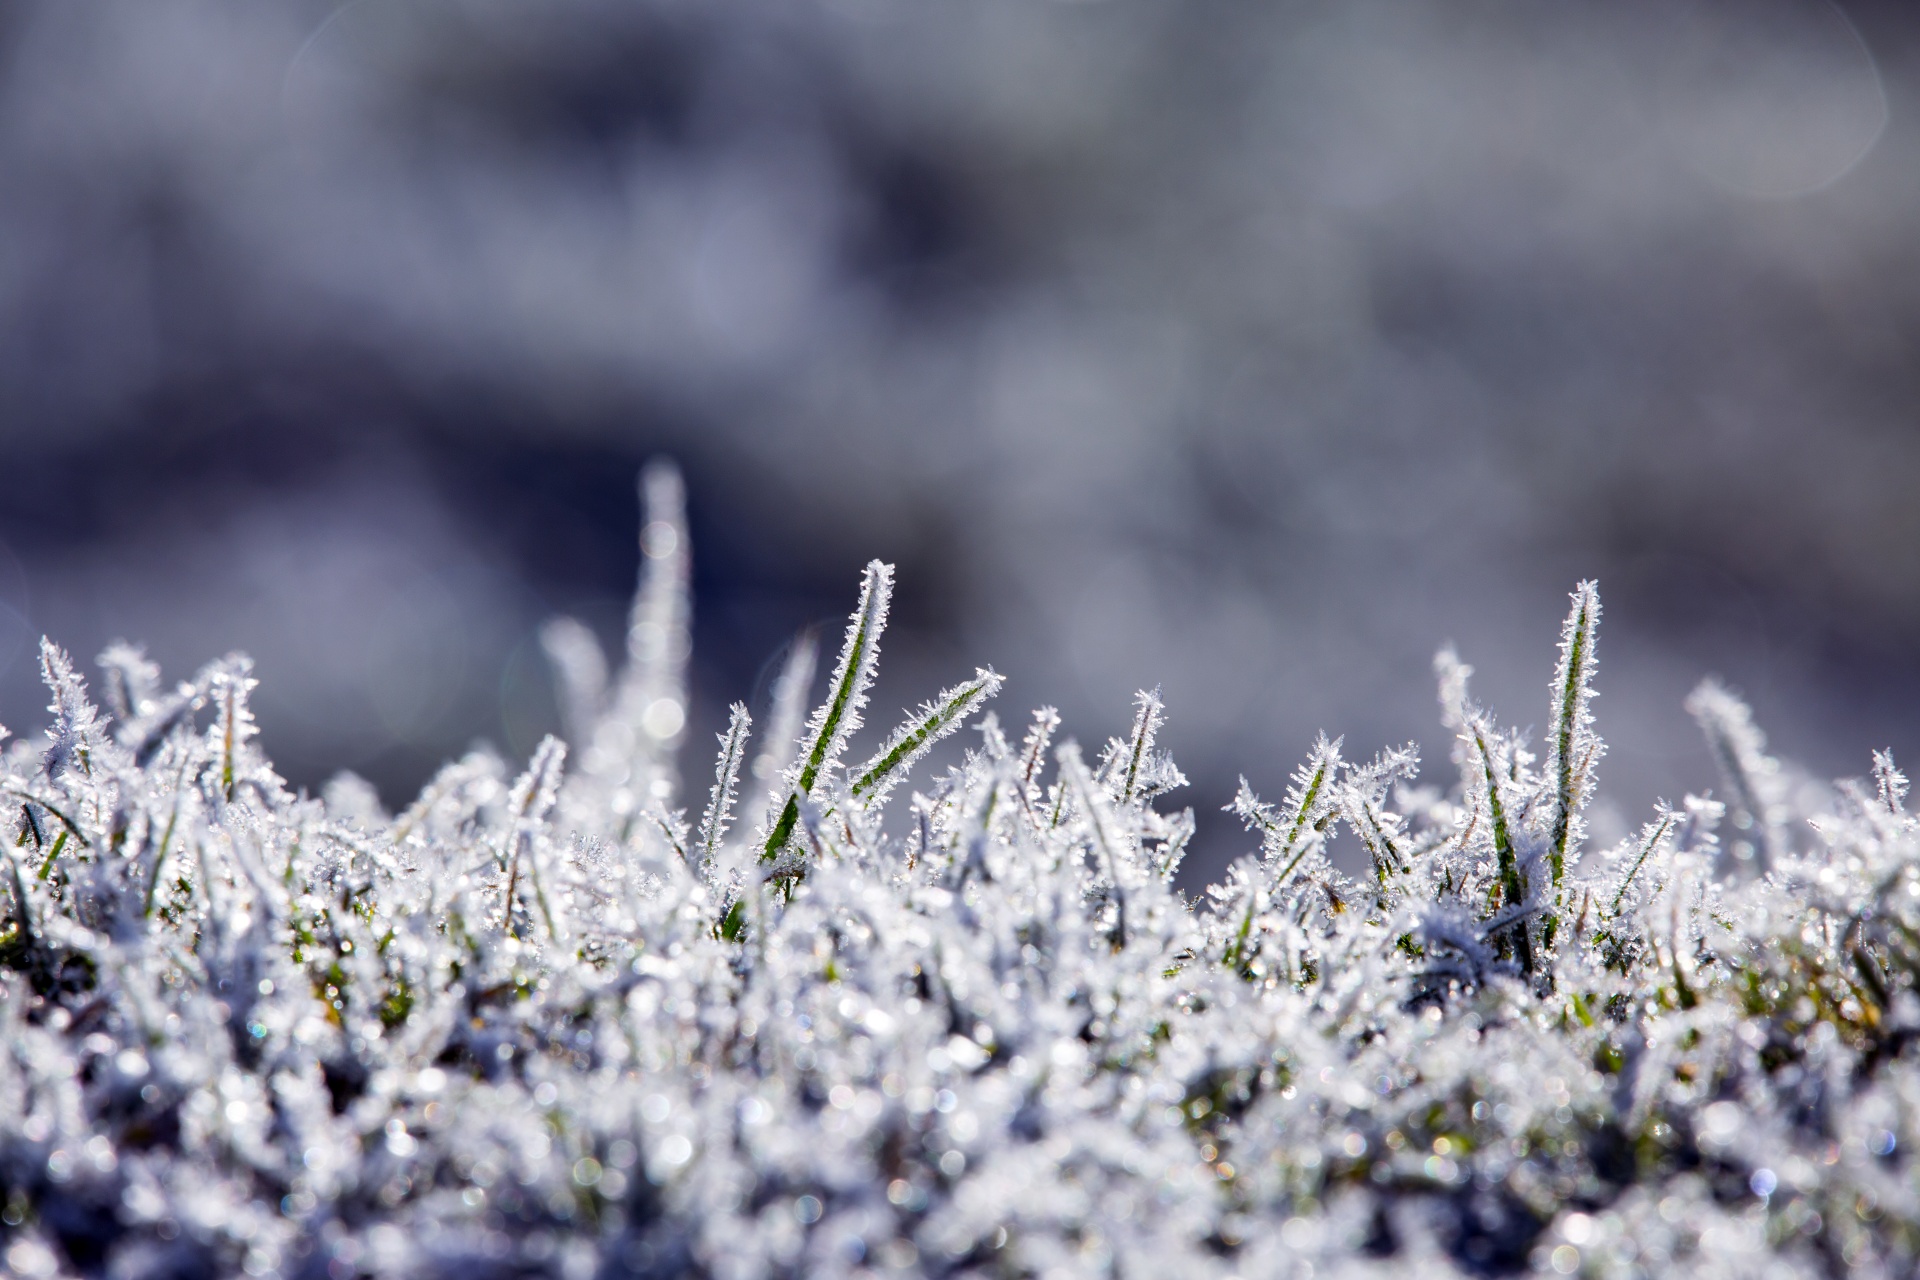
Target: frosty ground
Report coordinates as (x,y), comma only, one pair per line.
(827,1018)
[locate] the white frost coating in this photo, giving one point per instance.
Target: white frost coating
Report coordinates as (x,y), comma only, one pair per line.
(839,717)
(1754,784)
(788,715)
(628,772)
(726,777)
(510,1033)
(1573,749)
(936,719)
(580,674)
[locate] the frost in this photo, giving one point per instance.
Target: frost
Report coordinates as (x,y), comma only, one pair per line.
(726,776)
(545,1022)
(1753,777)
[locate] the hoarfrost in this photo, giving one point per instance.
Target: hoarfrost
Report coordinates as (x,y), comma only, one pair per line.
(545,1026)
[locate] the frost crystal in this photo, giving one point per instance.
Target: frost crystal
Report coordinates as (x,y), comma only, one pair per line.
(542,1023)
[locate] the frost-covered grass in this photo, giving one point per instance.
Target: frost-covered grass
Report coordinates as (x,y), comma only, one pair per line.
(822,1023)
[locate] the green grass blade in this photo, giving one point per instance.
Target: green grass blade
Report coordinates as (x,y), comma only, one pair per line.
(912,740)
(839,716)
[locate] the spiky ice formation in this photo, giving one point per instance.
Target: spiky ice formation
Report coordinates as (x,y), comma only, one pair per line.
(544,1027)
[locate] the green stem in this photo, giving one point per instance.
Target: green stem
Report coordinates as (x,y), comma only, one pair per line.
(1646,850)
(1569,726)
(1503,848)
(853,667)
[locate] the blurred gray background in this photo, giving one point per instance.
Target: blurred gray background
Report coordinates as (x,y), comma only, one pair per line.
(1250,349)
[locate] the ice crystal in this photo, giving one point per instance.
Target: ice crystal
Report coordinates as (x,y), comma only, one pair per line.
(541,1024)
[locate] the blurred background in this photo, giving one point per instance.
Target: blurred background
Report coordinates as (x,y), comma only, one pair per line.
(1249,349)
